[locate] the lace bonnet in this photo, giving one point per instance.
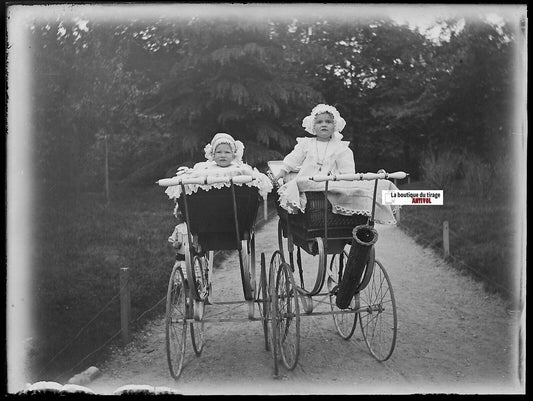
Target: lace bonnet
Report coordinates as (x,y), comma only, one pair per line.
(309,121)
(220,138)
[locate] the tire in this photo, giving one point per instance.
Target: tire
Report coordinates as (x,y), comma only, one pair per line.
(263,301)
(175,321)
(377,317)
(275,263)
(196,273)
(198,295)
(287,315)
(245,266)
(345,323)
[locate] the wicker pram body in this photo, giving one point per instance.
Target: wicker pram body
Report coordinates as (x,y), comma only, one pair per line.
(307,226)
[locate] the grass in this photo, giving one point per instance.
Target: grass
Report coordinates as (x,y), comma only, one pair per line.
(76,274)
(482,233)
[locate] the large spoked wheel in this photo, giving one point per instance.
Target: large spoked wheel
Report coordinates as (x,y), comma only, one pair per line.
(175,321)
(263,300)
(286,313)
(345,323)
(198,297)
(377,315)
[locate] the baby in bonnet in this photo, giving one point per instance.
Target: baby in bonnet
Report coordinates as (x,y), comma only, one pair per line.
(224,158)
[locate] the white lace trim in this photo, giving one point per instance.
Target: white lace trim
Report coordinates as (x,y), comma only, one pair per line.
(296,207)
(349,212)
(290,206)
(174,191)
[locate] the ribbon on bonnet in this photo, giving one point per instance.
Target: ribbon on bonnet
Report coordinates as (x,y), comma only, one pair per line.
(220,138)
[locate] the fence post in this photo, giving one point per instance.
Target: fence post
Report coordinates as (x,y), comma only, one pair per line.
(446,238)
(125,312)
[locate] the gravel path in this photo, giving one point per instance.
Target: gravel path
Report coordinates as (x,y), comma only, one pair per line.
(452,338)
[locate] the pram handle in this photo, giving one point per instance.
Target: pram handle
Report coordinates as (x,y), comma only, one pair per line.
(359,176)
(204,180)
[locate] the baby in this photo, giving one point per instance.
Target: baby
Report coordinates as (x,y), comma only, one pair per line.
(323,154)
(224,158)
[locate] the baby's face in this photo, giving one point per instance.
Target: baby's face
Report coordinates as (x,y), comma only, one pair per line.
(223,155)
(324,125)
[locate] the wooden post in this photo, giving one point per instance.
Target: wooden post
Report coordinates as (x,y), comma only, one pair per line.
(125,312)
(397,215)
(446,238)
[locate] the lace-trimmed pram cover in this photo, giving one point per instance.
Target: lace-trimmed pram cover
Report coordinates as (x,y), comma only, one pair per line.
(261,181)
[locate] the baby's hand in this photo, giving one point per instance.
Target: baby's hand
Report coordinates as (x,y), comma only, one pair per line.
(182,170)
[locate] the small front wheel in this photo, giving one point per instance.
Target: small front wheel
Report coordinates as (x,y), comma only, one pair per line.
(377,316)
(175,321)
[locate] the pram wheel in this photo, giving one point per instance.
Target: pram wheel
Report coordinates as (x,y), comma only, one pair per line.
(285,312)
(175,321)
(377,315)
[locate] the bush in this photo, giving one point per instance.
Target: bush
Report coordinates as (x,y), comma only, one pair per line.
(439,169)
(478,176)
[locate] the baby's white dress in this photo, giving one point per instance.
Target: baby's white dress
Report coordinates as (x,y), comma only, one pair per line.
(311,157)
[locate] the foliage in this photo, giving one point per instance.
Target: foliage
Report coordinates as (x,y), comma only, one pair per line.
(76,274)
(478,176)
(83,94)
(228,75)
(164,87)
(441,168)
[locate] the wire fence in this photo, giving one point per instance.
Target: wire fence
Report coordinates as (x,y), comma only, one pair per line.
(262,218)
(448,253)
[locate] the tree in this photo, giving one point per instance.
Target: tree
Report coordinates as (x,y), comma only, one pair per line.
(233,76)
(83,93)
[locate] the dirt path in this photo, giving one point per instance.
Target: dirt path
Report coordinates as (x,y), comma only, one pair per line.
(452,338)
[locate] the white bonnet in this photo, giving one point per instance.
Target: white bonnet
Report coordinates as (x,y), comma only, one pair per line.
(309,121)
(236,146)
